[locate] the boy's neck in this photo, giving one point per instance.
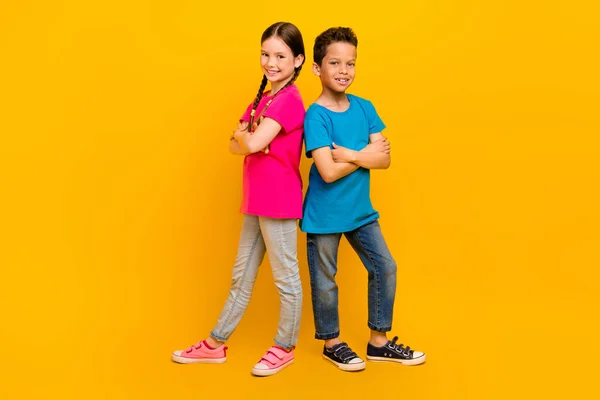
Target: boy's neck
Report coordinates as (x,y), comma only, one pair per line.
(334,101)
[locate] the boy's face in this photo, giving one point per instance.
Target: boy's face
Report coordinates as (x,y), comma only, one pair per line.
(337,68)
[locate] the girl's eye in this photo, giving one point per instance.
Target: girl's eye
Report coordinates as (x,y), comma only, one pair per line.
(351,64)
(281,57)
(264,54)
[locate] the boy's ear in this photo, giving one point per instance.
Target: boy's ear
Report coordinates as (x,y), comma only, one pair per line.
(316,69)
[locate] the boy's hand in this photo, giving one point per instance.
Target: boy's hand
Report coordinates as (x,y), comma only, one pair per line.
(342,155)
(379,146)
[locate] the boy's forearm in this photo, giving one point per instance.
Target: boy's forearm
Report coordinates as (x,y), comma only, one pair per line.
(342,169)
(369,160)
(339,170)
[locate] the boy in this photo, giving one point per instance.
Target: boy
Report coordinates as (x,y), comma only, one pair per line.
(343,136)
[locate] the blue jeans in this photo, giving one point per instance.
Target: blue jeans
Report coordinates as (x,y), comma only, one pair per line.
(370,246)
(278,238)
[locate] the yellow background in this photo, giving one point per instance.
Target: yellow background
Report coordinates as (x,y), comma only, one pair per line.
(119,203)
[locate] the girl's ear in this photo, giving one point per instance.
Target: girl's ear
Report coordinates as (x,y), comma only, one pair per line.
(299,61)
(316,69)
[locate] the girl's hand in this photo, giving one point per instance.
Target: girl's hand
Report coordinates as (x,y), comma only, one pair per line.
(254,128)
(243,130)
(242,125)
(256,123)
(380,146)
(342,155)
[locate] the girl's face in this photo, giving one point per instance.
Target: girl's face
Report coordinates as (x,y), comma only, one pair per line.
(277,60)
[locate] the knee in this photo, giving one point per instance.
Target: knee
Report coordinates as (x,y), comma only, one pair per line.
(389,267)
(326,298)
(291,287)
(242,283)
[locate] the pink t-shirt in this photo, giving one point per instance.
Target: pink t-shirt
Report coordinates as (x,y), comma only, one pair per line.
(272,183)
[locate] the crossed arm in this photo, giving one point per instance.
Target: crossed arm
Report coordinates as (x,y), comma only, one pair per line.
(243,142)
(331,164)
(339,162)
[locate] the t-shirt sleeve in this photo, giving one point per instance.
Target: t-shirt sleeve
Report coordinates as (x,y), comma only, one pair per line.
(375,123)
(288,110)
(316,134)
(246,115)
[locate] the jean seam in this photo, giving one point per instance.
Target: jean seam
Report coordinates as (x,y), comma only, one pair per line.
(314,282)
(327,336)
(376,273)
(379,328)
(218,337)
(278,343)
(283,261)
(227,319)
(311,271)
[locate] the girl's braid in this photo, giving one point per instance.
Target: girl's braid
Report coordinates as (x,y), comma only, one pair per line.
(261,89)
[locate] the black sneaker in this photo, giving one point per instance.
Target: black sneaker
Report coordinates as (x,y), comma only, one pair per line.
(343,357)
(395,353)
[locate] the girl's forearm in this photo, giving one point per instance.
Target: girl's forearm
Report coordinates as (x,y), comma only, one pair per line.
(235,148)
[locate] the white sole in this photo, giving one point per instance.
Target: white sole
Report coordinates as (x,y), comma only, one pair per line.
(269,372)
(347,367)
(187,360)
(414,361)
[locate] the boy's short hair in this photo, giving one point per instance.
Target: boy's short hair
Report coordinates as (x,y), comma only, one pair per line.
(330,36)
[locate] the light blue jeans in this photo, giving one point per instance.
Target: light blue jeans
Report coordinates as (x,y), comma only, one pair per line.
(278,238)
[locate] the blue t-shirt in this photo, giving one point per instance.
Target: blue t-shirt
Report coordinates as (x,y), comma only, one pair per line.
(343,205)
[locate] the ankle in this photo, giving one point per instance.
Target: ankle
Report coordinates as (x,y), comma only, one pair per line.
(212,342)
(329,343)
(286,349)
(378,339)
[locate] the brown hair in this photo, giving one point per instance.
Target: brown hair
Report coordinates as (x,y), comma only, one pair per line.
(330,36)
(292,37)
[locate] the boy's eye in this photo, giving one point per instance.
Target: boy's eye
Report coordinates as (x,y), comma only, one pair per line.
(333,63)
(351,64)
(263,54)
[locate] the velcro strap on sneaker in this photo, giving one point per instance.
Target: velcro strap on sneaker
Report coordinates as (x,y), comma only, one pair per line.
(274,355)
(277,351)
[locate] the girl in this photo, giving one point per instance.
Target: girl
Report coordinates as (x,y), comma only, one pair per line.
(269,134)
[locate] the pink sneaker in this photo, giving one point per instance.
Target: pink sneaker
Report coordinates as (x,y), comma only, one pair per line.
(274,361)
(200,353)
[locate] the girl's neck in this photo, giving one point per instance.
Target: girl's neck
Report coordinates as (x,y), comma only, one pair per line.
(277,86)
